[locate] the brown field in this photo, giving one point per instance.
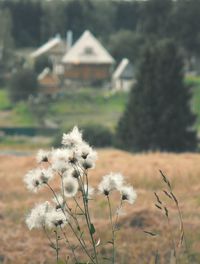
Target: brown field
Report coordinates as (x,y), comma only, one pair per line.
(18,245)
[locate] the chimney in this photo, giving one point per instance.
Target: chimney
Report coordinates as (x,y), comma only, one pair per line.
(69,39)
(57,36)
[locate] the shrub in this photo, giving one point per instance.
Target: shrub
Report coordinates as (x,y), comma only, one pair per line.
(97,135)
(42,63)
(23,83)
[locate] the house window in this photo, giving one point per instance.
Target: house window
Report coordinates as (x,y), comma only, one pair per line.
(88,50)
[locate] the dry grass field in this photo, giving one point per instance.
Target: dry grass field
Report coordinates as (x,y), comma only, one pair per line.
(18,245)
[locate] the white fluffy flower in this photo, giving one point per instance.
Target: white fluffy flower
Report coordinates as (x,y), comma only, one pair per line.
(60,154)
(73,172)
(37,216)
(128,194)
(35,179)
(70,186)
(110,182)
(88,164)
(32,180)
(59,201)
(46,175)
(56,218)
(87,151)
(86,156)
(73,138)
(42,156)
(60,160)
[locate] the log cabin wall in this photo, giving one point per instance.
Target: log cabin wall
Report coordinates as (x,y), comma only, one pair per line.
(87,72)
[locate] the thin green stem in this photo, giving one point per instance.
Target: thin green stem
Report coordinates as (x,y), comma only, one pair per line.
(61,207)
(70,246)
(57,246)
(179,213)
(113,230)
(182,227)
(172,238)
(87,214)
(54,194)
(48,237)
(180,216)
(82,243)
(62,185)
(78,205)
(117,215)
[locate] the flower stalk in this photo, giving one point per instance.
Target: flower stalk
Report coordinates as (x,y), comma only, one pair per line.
(70,210)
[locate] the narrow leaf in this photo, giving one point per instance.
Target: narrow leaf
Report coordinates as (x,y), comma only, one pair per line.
(167,194)
(92,229)
(157,198)
(160,208)
(150,233)
(166,211)
(174,198)
(98,243)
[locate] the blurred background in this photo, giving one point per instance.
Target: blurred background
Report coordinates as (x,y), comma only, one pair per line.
(128,74)
(66,63)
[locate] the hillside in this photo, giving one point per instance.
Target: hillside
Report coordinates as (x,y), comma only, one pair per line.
(20,246)
(78,106)
(73,106)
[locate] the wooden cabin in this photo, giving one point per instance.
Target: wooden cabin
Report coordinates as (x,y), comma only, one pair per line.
(87,60)
(53,49)
(49,83)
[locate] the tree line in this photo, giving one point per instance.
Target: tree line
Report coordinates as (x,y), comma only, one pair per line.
(34,21)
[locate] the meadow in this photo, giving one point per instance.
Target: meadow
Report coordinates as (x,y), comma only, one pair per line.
(19,245)
(79,106)
(74,105)
(83,106)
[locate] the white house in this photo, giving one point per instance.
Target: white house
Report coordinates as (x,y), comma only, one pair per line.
(87,60)
(123,76)
(54,49)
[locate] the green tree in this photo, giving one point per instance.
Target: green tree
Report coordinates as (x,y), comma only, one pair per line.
(154,17)
(158,115)
(54,19)
(185,27)
(23,83)
(26,17)
(6,40)
(6,43)
(41,63)
(126,14)
(126,43)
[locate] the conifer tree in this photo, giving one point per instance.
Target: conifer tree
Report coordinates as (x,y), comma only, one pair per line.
(158,115)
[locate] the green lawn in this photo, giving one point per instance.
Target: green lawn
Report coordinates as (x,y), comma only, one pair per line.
(79,106)
(196,105)
(5,103)
(88,106)
(14,115)
(194,82)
